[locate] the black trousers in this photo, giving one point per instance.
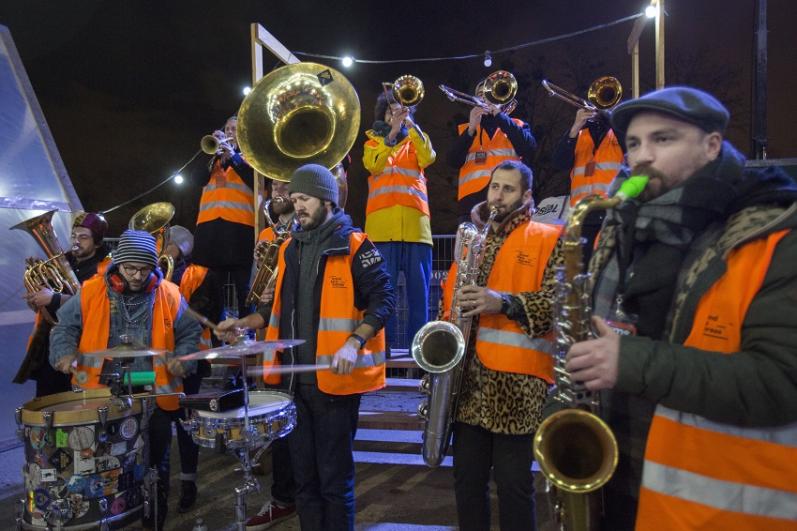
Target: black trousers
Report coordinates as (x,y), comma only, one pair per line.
(160,441)
(189,451)
(477,452)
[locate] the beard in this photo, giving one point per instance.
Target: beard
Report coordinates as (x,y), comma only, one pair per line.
(281,206)
(657,182)
(313,220)
(505,211)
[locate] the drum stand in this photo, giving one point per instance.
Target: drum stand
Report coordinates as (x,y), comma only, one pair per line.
(250,484)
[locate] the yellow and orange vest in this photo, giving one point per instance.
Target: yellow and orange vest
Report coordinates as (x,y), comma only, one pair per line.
(95,308)
(701,474)
(227,197)
(474,175)
(338,317)
(594,170)
(401,182)
(519,266)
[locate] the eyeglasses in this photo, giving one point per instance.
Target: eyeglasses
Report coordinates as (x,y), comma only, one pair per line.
(133,271)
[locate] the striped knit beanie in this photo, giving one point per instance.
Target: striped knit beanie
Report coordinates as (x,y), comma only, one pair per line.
(136,246)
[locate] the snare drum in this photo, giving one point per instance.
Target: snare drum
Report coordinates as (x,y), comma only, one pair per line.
(272,415)
(84,460)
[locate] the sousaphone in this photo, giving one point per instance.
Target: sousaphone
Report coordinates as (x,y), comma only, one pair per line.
(298,114)
(155,218)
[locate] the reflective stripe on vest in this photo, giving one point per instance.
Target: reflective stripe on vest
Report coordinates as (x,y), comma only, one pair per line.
(338,317)
(193,277)
(607,159)
(706,474)
(401,182)
(474,176)
(96,314)
(519,266)
(226,197)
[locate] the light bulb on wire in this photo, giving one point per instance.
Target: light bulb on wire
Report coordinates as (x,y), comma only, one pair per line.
(488,59)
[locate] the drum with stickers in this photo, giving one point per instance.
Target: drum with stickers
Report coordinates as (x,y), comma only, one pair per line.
(272,415)
(85,460)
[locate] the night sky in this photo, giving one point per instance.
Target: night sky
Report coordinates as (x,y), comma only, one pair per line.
(128,88)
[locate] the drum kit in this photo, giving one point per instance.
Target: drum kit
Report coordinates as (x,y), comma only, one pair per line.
(87,451)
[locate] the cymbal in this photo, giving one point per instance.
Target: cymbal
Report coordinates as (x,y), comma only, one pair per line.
(125,351)
(243,348)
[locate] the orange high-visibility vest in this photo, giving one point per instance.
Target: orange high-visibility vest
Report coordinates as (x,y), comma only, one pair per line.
(701,474)
(193,277)
(501,343)
(338,317)
(401,182)
(95,310)
(266,235)
(594,170)
(226,196)
(474,175)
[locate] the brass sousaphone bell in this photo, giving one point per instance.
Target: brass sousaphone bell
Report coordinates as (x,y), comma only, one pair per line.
(155,219)
(298,114)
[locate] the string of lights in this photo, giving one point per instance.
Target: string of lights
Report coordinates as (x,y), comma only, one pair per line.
(488,54)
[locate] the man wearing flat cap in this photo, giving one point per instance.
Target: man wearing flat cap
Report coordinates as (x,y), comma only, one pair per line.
(88,254)
(332,291)
(703,397)
(131,303)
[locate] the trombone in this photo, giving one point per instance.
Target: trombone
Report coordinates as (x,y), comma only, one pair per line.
(603,94)
(499,89)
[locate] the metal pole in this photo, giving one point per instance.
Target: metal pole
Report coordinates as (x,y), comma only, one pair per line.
(635,70)
(759,147)
(660,44)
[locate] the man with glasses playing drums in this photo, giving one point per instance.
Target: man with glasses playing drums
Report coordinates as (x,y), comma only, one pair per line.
(334,292)
(131,300)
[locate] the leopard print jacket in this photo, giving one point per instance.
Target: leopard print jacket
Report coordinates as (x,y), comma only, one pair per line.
(501,402)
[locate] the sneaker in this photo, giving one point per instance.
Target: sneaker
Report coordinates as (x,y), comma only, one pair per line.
(269,515)
(187,496)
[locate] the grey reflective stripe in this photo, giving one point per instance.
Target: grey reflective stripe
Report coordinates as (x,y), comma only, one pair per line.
(503,152)
(363,360)
(268,356)
(719,494)
(332,324)
(228,185)
(91,361)
(400,171)
(274,320)
(226,204)
(782,435)
(397,190)
(579,170)
(514,339)
(477,174)
(589,188)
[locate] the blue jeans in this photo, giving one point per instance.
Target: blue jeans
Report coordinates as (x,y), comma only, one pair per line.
(321,448)
(415,260)
(477,452)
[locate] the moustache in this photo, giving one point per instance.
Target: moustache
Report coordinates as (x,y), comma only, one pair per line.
(647,169)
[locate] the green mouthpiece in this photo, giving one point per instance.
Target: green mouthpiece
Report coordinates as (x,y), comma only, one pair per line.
(140,378)
(632,187)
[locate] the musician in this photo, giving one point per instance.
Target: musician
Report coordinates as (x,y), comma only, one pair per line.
(280,211)
(226,217)
(330,274)
(705,261)
(489,138)
(131,299)
(397,212)
(507,366)
(88,253)
(202,291)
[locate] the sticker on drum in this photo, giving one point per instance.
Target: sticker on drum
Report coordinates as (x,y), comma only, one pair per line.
(83,465)
(41,499)
(38,437)
(119,505)
(61,438)
(49,475)
(106,462)
(33,477)
(61,460)
(76,485)
(79,506)
(119,448)
(128,428)
(81,437)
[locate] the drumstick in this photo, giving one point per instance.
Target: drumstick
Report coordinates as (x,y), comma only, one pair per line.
(287,369)
(201,318)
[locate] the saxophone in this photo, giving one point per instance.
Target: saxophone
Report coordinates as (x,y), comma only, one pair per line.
(576,450)
(439,348)
(266,255)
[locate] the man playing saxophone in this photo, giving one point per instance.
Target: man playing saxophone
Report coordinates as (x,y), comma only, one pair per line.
(508,365)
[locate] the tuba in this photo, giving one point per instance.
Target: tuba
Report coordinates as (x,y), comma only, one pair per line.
(297,114)
(155,219)
(576,450)
(54,272)
(266,255)
(439,348)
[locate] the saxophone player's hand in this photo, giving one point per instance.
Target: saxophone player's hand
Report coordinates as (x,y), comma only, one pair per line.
(594,363)
(267,296)
(477,300)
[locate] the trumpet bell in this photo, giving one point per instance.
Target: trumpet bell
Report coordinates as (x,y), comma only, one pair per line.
(408,90)
(605,92)
(299,113)
(500,87)
(209,144)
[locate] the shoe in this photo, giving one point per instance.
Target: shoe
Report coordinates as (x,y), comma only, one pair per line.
(187,496)
(269,515)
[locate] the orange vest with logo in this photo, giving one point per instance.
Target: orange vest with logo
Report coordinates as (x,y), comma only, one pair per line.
(338,317)
(594,170)
(474,175)
(701,474)
(193,277)
(266,235)
(95,310)
(401,182)
(519,266)
(227,197)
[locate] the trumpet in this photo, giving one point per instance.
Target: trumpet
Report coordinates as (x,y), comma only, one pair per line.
(499,89)
(407,90)
(211,144)
(603,94)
